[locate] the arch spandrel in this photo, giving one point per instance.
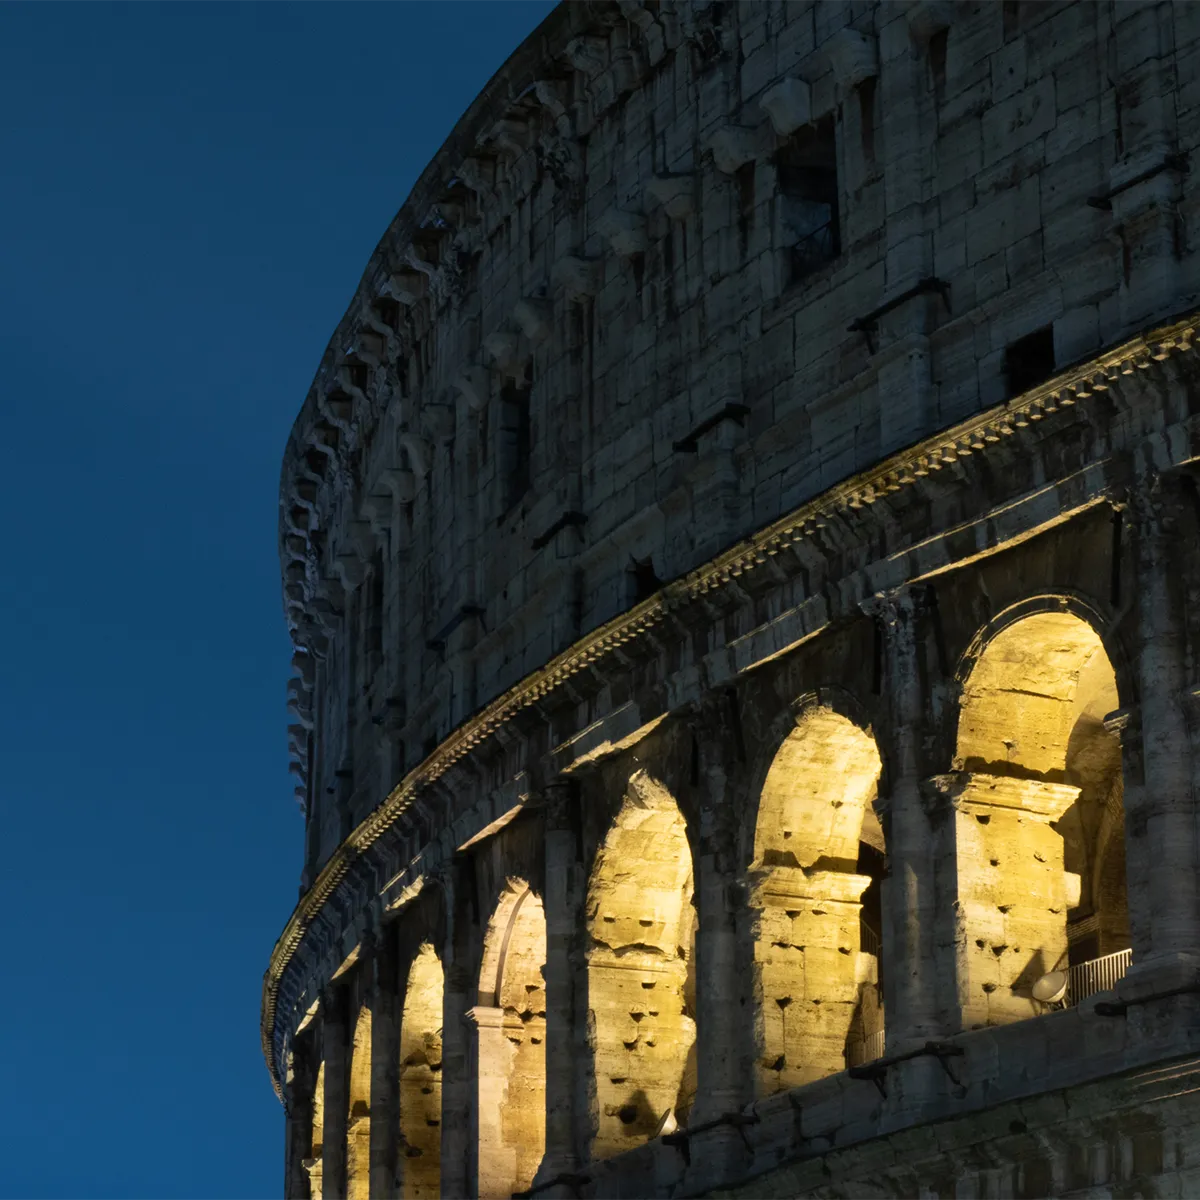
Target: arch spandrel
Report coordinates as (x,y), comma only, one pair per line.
(421,1077)
(641,926)
(816,987)
(1038,774)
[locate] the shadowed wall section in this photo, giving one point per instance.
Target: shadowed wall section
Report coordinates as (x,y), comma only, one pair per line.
(421,1078)
(1034,799)
(812,981)
(510,1018)
(641,926)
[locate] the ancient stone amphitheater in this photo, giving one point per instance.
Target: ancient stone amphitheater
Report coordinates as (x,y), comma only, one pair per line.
(741,551)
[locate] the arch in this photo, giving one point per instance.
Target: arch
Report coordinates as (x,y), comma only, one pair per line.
(421,1077)
(641,927)
(1037,801)
(358,1120)
(510,1020)
(314,1162)
(818,854)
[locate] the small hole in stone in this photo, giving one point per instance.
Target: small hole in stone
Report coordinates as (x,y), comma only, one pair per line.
(646,985)
(989,988)
(628,1113)
(982,818)
(1016,1127)
(783,1001)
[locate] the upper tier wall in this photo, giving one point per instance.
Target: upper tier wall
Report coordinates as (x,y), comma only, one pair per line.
(676,271)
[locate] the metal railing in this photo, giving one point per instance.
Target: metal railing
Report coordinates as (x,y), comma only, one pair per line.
(1097,975)
(814,250)
(866,1050)
(868,939)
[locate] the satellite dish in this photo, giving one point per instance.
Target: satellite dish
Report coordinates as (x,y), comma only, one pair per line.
(1051,988)
(667,1124)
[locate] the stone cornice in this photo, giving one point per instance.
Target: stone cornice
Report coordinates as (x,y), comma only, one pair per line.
(893,474)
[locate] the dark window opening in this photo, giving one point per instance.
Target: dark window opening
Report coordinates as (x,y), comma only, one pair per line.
(806,169)
(514,442)
(643,580)
(1029,360)
(937,63)
(1011,17)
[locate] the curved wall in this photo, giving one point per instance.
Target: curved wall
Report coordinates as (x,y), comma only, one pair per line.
(594,347)
(707,324)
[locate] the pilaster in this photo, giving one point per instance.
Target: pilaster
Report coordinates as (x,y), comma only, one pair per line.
(724,1075)
(298,1128)
(565,960)
(1163,811)
(458,1156)
(335,1040)
(384,1002)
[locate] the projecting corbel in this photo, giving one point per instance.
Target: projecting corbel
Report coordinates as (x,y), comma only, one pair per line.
(676,194)
(417,450)
(502,347)
(535,316)
(624,231)
(474,385)
(853,57)
(733,146)
(588,54)
(403,484)
(579,278)
(406,287)
(788,104)
(376,510)
(929,18)
(437,421)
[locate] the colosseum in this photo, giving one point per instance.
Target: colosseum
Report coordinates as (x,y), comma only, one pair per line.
(740,548)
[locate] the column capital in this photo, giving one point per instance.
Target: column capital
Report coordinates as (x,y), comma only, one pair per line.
(897,607)
(560,802)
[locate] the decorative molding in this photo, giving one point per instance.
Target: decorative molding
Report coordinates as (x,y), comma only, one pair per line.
(901,470)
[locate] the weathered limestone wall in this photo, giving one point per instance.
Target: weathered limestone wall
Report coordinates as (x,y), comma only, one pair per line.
(610,222)
(739,883)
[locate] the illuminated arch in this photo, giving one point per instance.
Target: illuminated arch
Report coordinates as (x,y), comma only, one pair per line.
(642,926)
(314,1163)
(1037,808)
(818,849)
(358,1120)
(510,1018)
(421,1078)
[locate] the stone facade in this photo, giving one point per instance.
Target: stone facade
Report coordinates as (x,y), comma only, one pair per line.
(740,552)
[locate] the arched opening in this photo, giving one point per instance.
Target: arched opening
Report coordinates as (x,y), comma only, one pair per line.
(642,928)
(818,859)
(421,1078)
(510,1018)
(358,1122)
(1039,821)
(313,1163)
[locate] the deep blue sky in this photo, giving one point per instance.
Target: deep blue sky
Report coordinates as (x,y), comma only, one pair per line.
(188,196)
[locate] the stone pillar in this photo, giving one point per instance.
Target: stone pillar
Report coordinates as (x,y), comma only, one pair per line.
(335,1042)
(1162,811)
(724,1020)
(458,1155)
(565,1034)
(912,980)
(1012,891)
(384,1002)
(298,1101)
